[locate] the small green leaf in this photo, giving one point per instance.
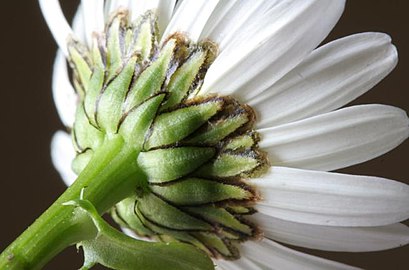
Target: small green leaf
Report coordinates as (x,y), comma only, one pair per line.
(194,191)
(84,134)
(214,242)
(109,109)
(237,209)
(145,37)
(81,66)
(245,141)
(163,165)
(183,78)
(93,91)
(169,234)
(173,126)
(228,165)
(114,50)
(124,214)
(217,131)
(81,161)
(221,216)
(96,54)
(138,121)
(151,79)
(165,215)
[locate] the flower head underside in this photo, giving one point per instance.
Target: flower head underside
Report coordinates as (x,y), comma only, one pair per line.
(236,118)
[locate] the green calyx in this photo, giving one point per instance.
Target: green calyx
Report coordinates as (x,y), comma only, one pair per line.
(194,150)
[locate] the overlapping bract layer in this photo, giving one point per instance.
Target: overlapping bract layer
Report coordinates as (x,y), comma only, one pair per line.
(194,150)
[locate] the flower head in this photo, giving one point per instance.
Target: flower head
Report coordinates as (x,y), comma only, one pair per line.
(174,81)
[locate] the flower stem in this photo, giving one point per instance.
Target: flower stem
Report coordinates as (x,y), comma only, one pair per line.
(112,175)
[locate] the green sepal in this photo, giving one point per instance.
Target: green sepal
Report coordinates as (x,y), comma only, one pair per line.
(124,214)
(220,216)
(241,210)
(196,191)
(118,251)
(79,88)
(215,132)
(230,235)
(109,109)
(173,126)
(78,59)
(114,50)
(81,161)
(93,91)
(97,54)
(182,79)
(175,235)
(145,40)
(137,122)
(229,165)
(242,142)
(128,38)
(163,165)
(160,212)
(213,241)
(84,134)
(151,79)
(95,83)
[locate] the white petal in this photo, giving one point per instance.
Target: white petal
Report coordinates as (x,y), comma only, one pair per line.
(163,8)
(331,238)
(241,264)
(261,51)
(65,97)
(190,17)
(271,255)
(329,78)
(224,20)
(78,25)
(57,23)
(337,139)
(331,199)
(93,16)
(62,154)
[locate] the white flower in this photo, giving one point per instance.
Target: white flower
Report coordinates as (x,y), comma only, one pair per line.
(268,59)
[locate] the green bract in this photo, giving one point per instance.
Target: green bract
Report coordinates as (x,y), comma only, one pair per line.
(194,150)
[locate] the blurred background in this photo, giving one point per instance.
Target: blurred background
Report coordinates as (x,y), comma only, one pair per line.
(28,118)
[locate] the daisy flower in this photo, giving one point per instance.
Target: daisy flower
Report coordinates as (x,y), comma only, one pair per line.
(237,116)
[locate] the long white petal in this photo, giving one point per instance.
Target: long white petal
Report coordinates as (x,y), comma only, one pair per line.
(261,51)
(271,255)
(65,97)
(163,8)
(78,26)
(228,17)
(331,199)
(93,16)
(332,238)
(62,154)
(337,139)
(57,23)
(190,17)
(329,78)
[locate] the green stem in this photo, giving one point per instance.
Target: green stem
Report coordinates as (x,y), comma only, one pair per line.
(112,175)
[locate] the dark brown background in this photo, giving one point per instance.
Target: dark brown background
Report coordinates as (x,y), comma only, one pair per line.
(29,182)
